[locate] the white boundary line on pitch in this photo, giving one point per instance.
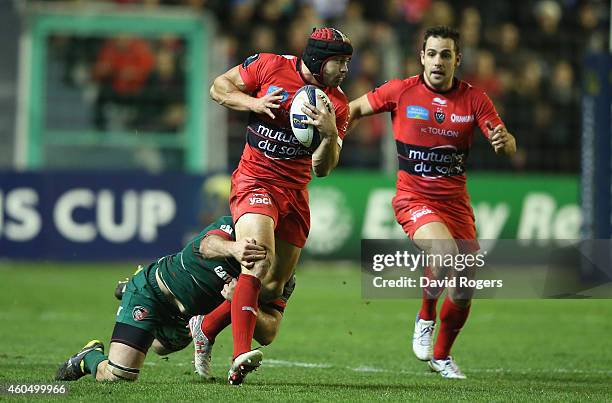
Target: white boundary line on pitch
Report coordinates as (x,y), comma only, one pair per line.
(371,369)
(365,368)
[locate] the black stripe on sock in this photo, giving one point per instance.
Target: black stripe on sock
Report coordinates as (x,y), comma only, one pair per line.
(126,369)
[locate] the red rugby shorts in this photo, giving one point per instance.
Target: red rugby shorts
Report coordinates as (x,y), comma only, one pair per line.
(412,212)
(287,207)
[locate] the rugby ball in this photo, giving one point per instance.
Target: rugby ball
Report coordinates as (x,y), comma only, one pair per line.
(305,133)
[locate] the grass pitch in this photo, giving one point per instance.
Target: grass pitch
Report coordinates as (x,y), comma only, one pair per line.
(333,345)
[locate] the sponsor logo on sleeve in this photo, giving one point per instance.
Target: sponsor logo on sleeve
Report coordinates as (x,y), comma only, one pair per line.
(283,93)
(250,60)
(417,112)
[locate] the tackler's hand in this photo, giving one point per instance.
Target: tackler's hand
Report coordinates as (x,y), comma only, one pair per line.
(228,290)
(247,252)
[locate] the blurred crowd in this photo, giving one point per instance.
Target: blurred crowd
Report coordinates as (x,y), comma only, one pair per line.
(527,55)
(134,83)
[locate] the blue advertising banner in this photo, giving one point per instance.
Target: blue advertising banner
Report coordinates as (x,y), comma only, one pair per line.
(96,216)
(596,175)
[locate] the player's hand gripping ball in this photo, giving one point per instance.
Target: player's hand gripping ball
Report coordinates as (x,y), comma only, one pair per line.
(307,134)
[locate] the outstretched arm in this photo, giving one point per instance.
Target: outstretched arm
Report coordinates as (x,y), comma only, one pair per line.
(326,157)
(359,108)
(501,140)
(230,90)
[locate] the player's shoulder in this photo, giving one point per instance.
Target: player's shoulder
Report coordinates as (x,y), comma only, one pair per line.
(470,89)
(405,83)
(398,85)
(269,58)
(412,81)
(285,59)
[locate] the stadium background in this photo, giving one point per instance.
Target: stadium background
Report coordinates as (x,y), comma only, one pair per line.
(96,168)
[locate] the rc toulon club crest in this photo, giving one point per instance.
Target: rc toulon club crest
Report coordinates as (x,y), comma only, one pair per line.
(439,115)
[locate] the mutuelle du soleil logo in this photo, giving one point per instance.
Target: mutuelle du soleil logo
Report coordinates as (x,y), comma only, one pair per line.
(417,112)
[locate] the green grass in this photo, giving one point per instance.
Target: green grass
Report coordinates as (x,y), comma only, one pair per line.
(333,345)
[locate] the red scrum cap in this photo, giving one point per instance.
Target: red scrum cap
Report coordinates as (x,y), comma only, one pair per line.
(323,44)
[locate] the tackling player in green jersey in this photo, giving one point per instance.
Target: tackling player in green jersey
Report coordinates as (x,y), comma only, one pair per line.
(159,300)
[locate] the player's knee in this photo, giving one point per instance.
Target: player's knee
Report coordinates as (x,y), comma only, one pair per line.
(444,247)
(159,348)
(440,251)
(461,297)
(262,267)
(270,291)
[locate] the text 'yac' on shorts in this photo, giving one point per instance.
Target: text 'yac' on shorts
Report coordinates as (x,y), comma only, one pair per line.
(413,212)
(145,307)
(287,207)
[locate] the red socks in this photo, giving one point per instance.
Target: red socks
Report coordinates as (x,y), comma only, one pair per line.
(430,298)
(452,319)
(244,312)
(428,308)
(217,320)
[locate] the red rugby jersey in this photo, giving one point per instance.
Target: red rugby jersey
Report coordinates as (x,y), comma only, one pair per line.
(433,132)
(272,152)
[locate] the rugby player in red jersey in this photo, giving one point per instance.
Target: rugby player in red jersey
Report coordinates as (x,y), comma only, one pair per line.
(434,115)
(159,299)
(269,199)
